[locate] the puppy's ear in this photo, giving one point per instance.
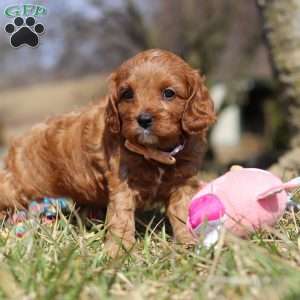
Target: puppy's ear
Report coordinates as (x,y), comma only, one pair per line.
(112,118)
(199,113)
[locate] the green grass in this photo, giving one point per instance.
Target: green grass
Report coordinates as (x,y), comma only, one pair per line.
(65,261)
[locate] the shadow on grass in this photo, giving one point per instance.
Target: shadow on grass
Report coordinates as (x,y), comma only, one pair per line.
(152,220)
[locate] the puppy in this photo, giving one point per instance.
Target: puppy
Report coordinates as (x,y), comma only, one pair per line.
(142,145)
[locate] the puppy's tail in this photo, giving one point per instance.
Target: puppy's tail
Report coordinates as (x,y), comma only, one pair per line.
(10,195)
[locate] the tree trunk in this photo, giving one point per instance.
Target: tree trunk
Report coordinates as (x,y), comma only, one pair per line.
(281,27)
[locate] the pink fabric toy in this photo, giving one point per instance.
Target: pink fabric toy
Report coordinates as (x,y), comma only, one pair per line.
(242,200)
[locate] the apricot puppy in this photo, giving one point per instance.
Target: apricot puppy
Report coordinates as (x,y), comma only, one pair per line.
(143,144)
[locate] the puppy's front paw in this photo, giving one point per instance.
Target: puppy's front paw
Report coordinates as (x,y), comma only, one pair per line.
(185,237)
(114,248)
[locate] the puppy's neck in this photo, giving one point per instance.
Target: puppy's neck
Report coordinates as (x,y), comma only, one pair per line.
(163,157)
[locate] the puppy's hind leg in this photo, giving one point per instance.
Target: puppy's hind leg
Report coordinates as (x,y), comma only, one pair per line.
(10,195)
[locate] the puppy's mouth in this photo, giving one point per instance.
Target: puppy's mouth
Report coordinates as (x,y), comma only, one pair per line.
(147,138)
(147,144)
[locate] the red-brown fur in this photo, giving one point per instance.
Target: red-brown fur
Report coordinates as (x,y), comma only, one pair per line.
(82,154)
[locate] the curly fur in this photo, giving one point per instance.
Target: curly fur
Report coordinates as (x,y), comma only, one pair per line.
(82,154)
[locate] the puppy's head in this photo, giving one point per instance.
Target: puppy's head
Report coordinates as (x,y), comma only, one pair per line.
(156,98)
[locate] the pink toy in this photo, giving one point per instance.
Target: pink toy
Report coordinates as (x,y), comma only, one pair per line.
(242,200)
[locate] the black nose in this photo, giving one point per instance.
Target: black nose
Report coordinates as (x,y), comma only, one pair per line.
(145,120)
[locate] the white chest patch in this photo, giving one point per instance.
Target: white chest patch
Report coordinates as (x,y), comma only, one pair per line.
(161,174)
(158,181)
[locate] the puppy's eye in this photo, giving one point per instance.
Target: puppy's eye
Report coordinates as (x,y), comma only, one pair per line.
(127,94)
(168,94)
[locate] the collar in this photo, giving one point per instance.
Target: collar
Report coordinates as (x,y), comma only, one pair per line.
(177,149)
(163,157)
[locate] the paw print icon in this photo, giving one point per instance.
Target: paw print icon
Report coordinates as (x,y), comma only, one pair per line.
(24,33)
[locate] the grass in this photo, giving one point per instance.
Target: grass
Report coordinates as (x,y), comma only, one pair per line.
(65,261)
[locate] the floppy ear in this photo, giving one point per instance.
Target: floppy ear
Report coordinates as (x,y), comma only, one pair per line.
(112,118)
(199,113)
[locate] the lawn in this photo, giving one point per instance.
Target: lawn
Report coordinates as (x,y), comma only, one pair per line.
(66,261)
